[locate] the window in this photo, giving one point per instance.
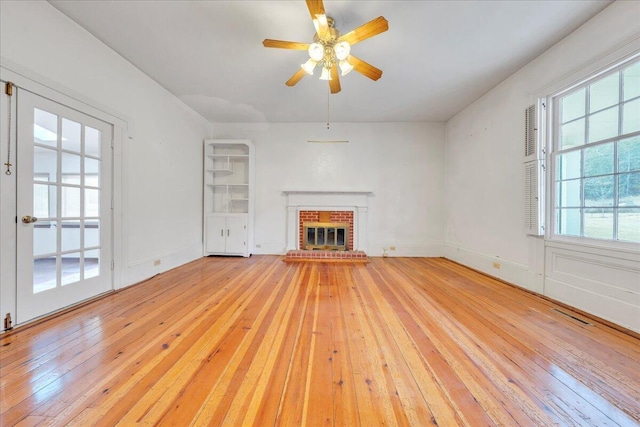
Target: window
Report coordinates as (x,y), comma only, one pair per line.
(597,157)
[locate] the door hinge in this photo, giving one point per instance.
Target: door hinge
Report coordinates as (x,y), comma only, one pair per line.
(113,264)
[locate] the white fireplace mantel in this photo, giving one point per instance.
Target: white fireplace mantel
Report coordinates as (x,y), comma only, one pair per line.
(330,200)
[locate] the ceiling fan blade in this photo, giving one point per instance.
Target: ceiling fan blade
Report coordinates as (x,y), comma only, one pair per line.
(334,83)
(365,68)
(281,44)
(296,77)
(365,31)
(316,7)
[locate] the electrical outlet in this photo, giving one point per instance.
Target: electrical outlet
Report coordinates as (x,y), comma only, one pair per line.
(258,245)
(392,248)
(496,265)
(156,262)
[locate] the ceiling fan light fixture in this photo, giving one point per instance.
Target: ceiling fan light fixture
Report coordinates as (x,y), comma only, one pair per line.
(309,66)
(345,67)
(316,51)
(342,50)
(326,74)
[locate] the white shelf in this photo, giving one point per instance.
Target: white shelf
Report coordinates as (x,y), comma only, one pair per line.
(226,185)
(230,156)
(221,171)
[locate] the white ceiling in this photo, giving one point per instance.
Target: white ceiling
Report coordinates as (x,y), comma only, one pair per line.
(437,57)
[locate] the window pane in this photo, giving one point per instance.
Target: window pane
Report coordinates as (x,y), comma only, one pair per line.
(629,189)
(598,192)
(569,165)
(568,221)
(44,274)
(91,233)
(598,160)
(92,141)
(629,224)
(629,154)
(568,194)
(44,201)
(92,203)
(573,106)
(631,82)
(45,128)
(598,223)
(71,135)
(45,238)
(603,125)
(572,134)
(631,116)
(92,172)
(604,93)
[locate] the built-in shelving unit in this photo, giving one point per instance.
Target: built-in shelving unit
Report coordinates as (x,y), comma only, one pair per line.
(228,197)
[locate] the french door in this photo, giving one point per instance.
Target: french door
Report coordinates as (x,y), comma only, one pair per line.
(64,243)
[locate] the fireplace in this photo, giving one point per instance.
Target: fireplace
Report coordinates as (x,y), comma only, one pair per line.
(336,207)
(326,230)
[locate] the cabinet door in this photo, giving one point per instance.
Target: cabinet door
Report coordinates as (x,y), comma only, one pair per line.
(216,234)
(236,235)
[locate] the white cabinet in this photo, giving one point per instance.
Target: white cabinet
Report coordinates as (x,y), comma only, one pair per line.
(226,234)
(228,197)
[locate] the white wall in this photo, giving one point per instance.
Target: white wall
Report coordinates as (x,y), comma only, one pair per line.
(484,182)
(162,150)
(401,163)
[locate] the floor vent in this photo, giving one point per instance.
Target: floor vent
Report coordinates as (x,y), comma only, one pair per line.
(584,322)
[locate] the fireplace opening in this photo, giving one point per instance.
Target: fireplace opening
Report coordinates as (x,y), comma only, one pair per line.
(326,230)
(326,236)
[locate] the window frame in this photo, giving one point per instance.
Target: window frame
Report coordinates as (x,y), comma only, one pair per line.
(554,154)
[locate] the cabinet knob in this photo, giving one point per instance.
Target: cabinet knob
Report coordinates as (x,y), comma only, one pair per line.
(221,232)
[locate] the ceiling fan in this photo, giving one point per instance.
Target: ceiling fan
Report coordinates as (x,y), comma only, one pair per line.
(330,50)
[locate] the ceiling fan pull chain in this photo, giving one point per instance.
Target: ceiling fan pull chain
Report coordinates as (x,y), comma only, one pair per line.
(328,98)
(8,89)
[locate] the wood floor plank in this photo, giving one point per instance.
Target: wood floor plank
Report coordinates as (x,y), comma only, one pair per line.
(396,341)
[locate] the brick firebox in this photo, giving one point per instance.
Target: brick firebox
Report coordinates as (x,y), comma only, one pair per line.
(336,216)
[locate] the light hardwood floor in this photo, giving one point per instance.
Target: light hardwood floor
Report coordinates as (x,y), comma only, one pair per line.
(398,341)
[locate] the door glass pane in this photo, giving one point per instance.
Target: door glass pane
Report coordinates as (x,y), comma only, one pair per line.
(320,240)
(631,82)
(45,128)
(598,223)
(631,116)
(573,106)
(45,238)
(311,236)
(331,236)
(45,164)
(604,93)
(70,239)
(44,274)
(70,268)
(629,155)
(603,125)
(91,203)
(44,201)
(92,139)
(91,263)
(340,237)
(91,233)
(71,135)
(91,172)
(629,224)
(70,202)
(70,168)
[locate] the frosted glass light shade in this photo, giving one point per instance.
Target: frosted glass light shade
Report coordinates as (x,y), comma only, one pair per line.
(309,66)
(326,75)
(345,67)
(316,51)
(342,50)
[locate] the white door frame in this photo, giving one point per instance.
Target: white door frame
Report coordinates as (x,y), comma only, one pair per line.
(122,131)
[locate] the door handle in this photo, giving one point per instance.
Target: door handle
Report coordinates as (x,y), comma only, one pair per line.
(28,219)
(221,232)
(227,232)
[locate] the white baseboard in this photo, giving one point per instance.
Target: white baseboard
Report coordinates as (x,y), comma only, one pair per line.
(511,272)
(431,250)
(270,248)
(142,269)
